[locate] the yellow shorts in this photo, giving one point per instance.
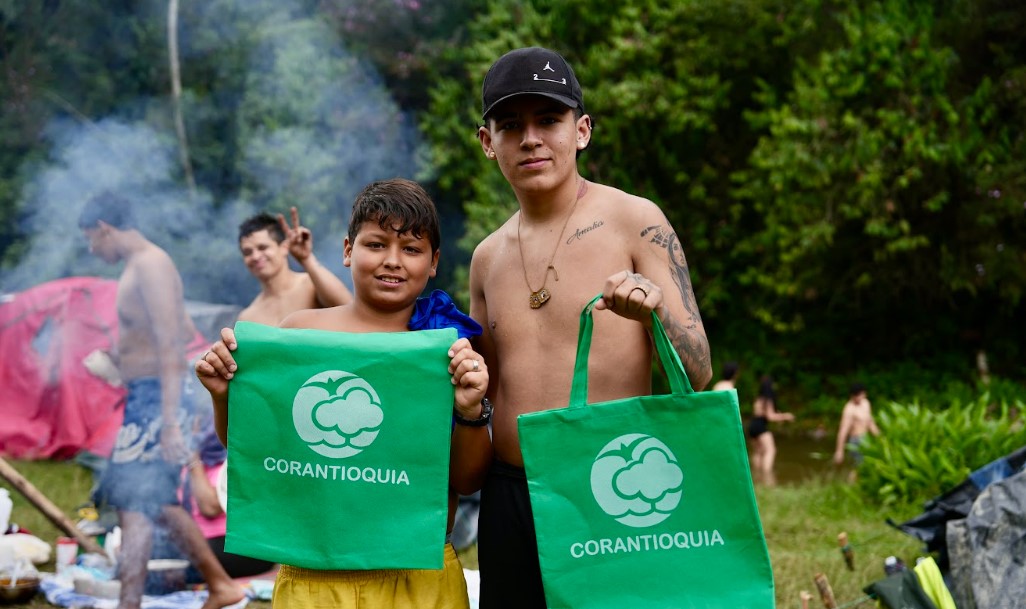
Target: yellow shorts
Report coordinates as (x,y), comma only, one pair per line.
(444,588)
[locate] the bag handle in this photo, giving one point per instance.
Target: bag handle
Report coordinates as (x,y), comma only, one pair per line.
(679,383)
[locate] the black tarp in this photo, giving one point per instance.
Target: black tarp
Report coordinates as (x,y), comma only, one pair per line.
(987,548)
(955,504)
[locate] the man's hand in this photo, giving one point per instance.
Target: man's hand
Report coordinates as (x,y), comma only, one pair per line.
(100,364)
(631,295)
(298,237)
(172,444)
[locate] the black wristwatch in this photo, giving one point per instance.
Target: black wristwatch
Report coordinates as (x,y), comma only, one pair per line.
(486,415)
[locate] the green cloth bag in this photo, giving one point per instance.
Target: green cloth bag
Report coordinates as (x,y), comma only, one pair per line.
(645,502)
(338,447)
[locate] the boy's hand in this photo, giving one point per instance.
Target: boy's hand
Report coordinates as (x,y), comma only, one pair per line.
(470,375)
(217,366)
(631,295)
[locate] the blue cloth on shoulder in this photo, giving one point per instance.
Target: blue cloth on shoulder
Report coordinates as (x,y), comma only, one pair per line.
(439,311)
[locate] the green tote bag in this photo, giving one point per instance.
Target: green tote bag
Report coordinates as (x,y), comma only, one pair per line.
(338,447)
(645,502)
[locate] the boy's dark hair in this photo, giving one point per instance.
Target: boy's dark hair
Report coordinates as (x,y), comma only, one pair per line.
(856,389)
(397,204)
(259,222)
(766,387)
(729,370)
(109,208)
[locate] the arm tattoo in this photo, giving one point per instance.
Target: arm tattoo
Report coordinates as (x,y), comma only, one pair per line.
(691,345)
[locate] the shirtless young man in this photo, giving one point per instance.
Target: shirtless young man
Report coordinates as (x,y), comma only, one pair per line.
(265,243)
(856,421)
(144,472)
(530,279)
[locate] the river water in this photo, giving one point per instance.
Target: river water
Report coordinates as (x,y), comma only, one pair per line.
(801,456)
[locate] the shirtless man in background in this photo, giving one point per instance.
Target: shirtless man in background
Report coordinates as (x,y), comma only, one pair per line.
(144,474)
(856,421)
(265,243)
(529,280)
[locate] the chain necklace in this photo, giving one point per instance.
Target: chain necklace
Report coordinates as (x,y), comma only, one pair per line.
(541,295)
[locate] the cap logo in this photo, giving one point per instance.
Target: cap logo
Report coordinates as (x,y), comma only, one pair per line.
(550,69)
(558,82)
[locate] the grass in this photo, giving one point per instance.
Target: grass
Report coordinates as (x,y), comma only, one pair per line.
(801,524)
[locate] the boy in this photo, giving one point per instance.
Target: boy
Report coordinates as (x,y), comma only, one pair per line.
(529,280)
(265,243)
(856,421)
(392,248)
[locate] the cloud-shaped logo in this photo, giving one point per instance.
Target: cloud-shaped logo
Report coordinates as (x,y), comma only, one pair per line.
(637,480)
(337,414)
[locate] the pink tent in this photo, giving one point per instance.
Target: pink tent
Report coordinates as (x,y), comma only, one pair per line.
(51,405)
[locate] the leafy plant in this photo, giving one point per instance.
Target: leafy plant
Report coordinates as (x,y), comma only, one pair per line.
(924,451)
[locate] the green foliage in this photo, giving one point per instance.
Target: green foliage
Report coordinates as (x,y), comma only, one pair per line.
(874,192)
(847,189)
(847,178)
(902,382)
(925,449)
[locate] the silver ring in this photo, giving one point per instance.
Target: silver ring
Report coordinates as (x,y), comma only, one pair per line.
(475,366)
(638,287)
(205,355)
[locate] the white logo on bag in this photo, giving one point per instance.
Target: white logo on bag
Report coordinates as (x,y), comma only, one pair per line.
(636,479)
(337,414)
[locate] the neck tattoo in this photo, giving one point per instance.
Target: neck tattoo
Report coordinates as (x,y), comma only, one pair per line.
(540,296)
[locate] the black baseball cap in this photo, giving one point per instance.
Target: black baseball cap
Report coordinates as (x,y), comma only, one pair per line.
(531,71)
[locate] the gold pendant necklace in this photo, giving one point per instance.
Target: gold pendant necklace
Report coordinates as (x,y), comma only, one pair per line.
(541,295)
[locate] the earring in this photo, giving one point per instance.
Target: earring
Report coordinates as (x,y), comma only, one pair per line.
(491,154)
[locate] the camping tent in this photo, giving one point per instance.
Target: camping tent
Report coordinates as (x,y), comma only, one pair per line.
(54,399)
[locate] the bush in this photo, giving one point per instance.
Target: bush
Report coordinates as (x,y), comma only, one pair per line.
(923,451)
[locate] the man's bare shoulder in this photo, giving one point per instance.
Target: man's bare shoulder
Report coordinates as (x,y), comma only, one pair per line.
(489,247)
(270,308)
(619,199)
(155,259)
(258,314)
(489,244)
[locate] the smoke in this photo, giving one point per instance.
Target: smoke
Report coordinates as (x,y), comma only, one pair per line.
(312,126)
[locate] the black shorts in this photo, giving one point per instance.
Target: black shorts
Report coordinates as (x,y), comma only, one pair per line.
(757,426)
(507,549)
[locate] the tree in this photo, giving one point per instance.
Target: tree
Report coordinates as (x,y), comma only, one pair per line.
(880,196)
